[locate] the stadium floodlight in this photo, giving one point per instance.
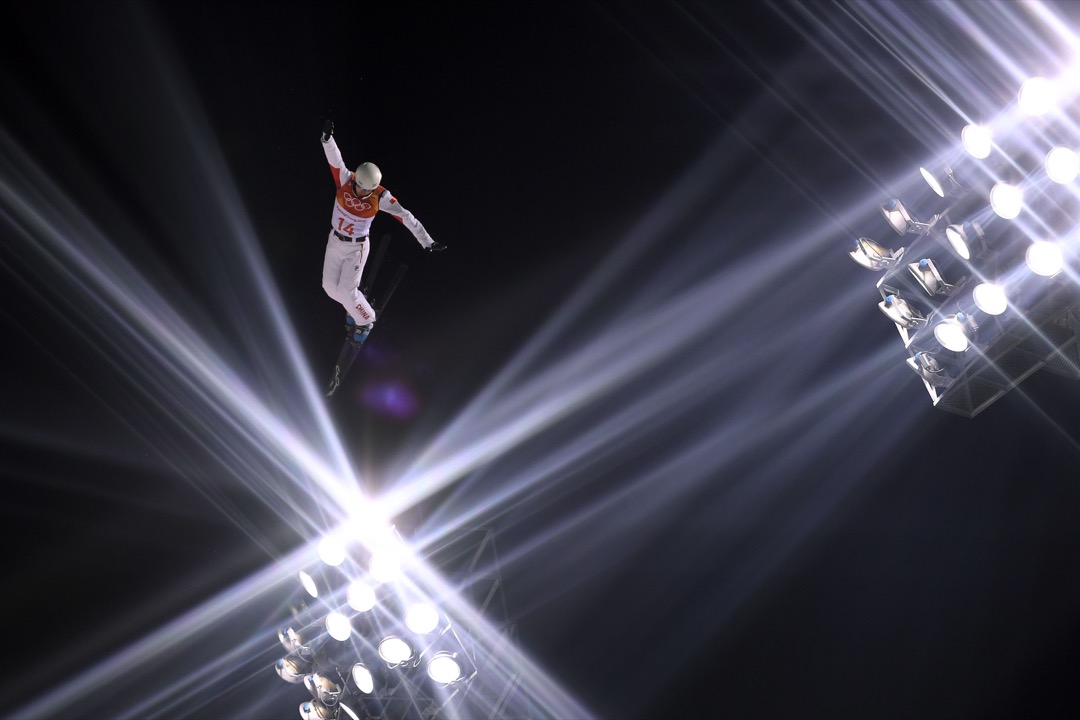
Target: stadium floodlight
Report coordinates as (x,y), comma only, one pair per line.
(900,220)
(290,640)
(309,584)
(315,710)
(338,626)
(322,688)
(900,311)
(363,679)
(421,618)
(1062,165)
(444,668)
(1044,258)
(384,566)
(873,256)
(962,236)
(360,596)
(977,141)
(395,651)
(941,180)
(929,277)
(952,333)
(1006,200)
(1037,96)
(990,298)
(928,368)
(292,668)
(332,550)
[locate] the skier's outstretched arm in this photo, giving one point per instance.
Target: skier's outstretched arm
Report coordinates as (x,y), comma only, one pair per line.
(342,174)
(389,204)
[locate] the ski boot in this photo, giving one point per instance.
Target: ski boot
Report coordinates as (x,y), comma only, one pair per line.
(356,333)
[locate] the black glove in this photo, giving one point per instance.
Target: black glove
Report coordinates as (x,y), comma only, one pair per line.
(327,130)
(435,247)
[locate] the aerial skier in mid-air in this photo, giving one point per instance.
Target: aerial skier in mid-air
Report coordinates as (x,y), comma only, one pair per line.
(360,196)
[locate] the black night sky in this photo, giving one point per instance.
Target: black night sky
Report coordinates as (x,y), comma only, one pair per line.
(740,503)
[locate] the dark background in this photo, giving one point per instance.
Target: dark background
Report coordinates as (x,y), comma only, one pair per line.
(806,537)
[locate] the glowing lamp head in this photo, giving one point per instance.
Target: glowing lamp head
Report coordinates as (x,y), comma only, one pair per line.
(338,626)
(395,651)
(932,181)
(384,567)
(444,668)
(990,298)
(309,584)
(1062,165)
(363,679)
(331,551)
(960,237)
(421,618)
(360,596)
(977,141)
(1044,258)
(952,334)
(1037,96)
(1006,200)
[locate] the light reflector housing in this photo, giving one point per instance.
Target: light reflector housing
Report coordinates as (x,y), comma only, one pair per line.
(395,651)
(952,333)
(444,668)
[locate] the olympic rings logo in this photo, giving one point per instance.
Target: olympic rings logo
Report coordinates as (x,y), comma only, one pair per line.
(354,202)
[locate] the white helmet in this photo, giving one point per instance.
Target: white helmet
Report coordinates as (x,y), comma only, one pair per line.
(368,176)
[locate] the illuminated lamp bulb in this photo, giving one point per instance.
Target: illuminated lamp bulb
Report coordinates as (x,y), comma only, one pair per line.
(362,677)
(1062,165)
(951,334)
(421,618)
(1037,96)
(338,626)
(443,668)
(955,237)
(990,298)
(977,141)
(1044,258)
(394,650)
(331,551)
(309,584)
(932,181)
(1007,200)
(384,567)
(360,596)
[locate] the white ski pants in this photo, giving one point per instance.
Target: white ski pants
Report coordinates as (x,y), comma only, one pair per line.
(343,264)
